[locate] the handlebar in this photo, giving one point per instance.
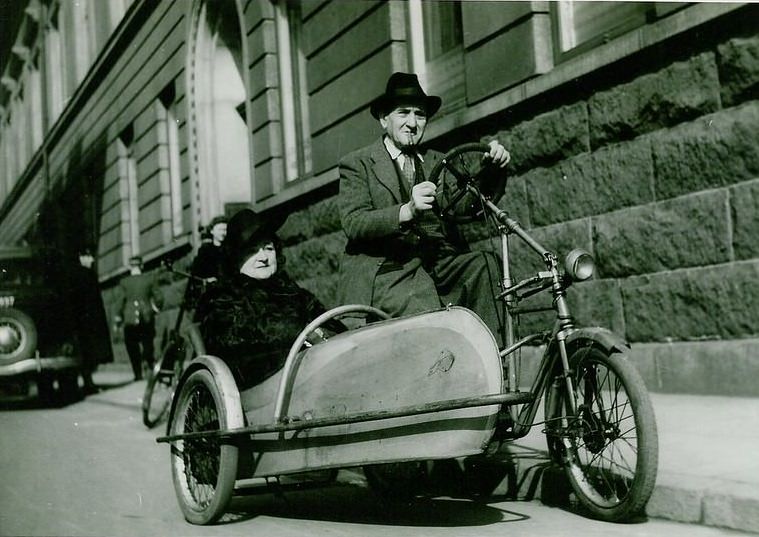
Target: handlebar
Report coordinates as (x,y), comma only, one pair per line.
(167,265)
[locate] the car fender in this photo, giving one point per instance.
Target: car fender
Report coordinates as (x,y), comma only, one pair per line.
(226,383)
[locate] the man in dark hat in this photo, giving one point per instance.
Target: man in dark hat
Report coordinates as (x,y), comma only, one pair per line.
(401,257)
(140,300)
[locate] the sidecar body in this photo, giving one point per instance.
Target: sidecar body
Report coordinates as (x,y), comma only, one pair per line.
(421,387)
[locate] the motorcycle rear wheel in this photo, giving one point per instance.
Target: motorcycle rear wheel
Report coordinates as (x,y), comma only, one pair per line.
(609,449)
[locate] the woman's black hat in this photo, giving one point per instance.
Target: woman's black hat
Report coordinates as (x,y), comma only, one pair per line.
(404,88)
(245,231)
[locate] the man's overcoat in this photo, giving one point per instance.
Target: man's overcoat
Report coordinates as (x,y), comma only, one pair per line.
(370,200)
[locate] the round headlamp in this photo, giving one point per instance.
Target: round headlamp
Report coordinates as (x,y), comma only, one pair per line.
(579,264)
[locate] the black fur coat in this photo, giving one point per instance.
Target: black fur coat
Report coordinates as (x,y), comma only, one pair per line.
(251,324)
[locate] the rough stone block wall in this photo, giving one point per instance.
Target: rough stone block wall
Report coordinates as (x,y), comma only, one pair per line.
(658,177)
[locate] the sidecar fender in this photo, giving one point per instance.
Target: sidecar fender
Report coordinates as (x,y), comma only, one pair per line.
(225,382)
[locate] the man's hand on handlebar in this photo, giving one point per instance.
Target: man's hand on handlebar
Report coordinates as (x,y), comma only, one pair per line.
(498,154)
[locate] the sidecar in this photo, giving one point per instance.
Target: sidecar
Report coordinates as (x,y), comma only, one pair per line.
(422,387)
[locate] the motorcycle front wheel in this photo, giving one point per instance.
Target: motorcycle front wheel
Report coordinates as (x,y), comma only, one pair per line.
(609,448)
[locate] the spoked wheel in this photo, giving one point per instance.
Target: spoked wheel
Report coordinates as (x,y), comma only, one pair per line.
(459,167)
(610,448)
(162,381)
(203,469)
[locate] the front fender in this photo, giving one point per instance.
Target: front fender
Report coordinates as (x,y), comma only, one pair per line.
(593,335)
(603,337)
(226,384)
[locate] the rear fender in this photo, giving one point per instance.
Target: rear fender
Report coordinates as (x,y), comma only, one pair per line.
(226,384)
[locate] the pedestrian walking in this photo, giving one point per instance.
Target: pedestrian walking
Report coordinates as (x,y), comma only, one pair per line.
(140,301)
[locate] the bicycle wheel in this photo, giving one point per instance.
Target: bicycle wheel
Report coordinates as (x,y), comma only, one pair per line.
(203,469)
(162,382)
(609,450)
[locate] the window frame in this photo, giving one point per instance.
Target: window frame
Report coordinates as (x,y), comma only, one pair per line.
(433,74)
(297,158)
(557,30)
(127,168)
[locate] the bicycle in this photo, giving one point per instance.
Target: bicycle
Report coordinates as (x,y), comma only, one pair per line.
(176,349)
(599,421)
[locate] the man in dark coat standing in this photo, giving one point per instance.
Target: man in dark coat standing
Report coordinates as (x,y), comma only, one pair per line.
(89,316)
(400,256)
(140,301)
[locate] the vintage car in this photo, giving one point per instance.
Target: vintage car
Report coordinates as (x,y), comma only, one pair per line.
(37,341)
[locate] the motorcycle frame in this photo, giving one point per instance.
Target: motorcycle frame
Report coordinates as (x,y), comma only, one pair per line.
(552,279)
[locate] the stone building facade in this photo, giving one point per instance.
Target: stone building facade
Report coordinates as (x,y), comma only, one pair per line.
(637,139)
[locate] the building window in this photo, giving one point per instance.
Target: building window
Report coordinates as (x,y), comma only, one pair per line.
(77,37)
(293,91)
(21,132)
(55,69)
(10,155)
(584,25)
(437,50)
(219,142)
(34,107)
(130,215)
(170,137)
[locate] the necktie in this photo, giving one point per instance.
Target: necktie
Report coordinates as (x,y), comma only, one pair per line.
(409,170)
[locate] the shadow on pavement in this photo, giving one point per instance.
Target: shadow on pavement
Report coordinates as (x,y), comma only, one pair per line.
(358,505)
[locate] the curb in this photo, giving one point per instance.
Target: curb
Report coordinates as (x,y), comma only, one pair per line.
(719,503)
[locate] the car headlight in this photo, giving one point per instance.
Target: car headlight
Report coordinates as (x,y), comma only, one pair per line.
(579,264)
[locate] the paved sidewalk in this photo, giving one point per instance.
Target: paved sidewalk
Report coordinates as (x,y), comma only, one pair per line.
(708,457)
(708,460)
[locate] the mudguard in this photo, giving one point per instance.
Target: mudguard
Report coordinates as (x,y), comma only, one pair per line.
(225,381)
(603,337)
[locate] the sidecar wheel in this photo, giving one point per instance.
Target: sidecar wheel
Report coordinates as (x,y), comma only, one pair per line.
(609,450)
(203,469)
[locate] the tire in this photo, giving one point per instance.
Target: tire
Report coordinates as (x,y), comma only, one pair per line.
(18,336)
(203,469)
(610,450)
(162,381)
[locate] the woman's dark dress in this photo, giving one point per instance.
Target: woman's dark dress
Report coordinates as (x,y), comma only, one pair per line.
(251,324)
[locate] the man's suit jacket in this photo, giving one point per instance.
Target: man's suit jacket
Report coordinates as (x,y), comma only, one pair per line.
(370,200)
(140,299)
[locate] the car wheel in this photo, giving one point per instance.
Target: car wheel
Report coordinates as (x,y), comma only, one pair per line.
(18,336)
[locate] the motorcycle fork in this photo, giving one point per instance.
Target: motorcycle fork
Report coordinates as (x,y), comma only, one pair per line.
(568,384)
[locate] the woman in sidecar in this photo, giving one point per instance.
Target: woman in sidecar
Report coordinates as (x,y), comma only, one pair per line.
(255,312)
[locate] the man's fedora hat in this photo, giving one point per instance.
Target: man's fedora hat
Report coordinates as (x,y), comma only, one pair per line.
(245,231)
(404,88)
